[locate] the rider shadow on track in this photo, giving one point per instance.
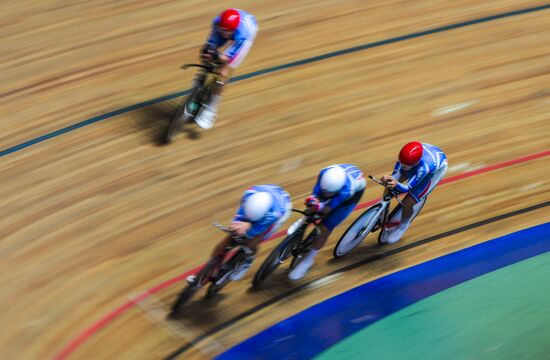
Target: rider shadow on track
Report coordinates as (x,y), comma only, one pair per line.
(361,253)
(154,120)
(365,255)
(275,285)
(202,310)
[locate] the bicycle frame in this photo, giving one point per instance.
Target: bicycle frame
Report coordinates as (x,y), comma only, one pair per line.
(238,242)
(383,212)
(305,219)
(200,94)
(210,69)
(237,245)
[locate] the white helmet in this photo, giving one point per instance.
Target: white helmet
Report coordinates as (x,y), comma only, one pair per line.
(333,179)
(257,205)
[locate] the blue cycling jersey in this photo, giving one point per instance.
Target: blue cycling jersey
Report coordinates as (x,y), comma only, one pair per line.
(432,159)
(246,31)
(281,204)
(355,182)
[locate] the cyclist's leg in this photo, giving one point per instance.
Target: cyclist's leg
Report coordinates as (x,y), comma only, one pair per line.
(255,242)
(207,116)
(426,187)
(335,218)
(309,258)
(225,71)
(198,79)
(219,249)
(412,204)
(397,225)
(328,224)
(243,267)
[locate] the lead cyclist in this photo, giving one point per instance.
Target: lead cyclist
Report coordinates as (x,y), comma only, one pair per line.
(422,166)
(235,30)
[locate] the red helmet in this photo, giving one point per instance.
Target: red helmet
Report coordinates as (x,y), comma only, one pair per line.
(411,153)
(229,19)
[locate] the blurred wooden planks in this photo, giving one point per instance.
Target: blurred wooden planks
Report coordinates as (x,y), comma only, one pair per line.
(97,214)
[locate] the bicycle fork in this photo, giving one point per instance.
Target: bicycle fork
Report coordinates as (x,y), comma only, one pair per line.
(380,218)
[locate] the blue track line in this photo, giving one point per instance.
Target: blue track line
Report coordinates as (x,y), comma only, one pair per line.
(309,60)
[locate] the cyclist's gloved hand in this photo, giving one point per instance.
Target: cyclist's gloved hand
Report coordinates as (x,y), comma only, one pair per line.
(389,181)
(239,227)
(209,53)
(313,204)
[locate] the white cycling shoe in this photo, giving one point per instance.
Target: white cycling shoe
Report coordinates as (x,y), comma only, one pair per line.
(393,234)
(303,266)
(206,117)
(241,271)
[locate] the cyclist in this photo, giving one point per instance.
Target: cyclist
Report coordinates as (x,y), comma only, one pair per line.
(422,166)
(236,30)
(337,191)
(263,209)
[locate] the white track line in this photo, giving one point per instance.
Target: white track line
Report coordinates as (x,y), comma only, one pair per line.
(452,108)
(324,281)
(291,165)
(531,186)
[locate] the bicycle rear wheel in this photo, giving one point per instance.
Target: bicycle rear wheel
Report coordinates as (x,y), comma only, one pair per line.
(282,252)
(202,278)
(224,275)
(357,232)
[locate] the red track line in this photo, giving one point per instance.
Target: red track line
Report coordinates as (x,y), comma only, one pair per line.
(105,320)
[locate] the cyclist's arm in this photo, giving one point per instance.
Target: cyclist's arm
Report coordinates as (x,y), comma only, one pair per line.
(233,50)
(239,215)
(422,172)
(262,226)
(214,37)
(214,40)
(317,192)
(218,249)
(336,201)
(222,58)
(396,173)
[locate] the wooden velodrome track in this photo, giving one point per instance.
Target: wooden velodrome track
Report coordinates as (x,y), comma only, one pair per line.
(95,216)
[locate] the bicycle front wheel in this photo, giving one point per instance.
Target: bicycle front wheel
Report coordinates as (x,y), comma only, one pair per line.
(276,258)
(176,123)
(357,232)
(202,277)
